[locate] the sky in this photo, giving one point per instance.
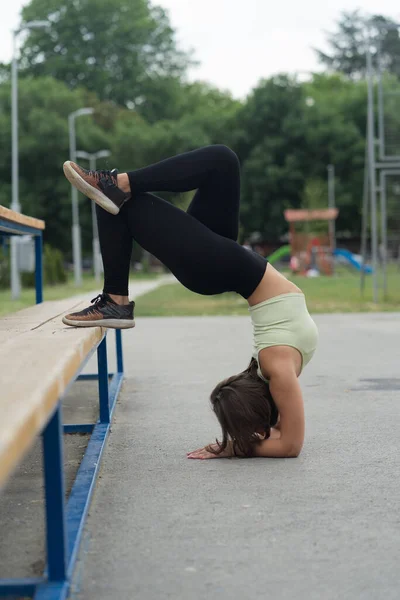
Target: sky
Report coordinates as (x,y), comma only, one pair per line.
(238,42)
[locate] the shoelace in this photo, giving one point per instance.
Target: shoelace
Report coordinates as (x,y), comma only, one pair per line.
(99,301)
(107,175)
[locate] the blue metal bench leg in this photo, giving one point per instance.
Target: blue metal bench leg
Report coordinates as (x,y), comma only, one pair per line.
(104,395)
(118,343)
(39,268)
(55,498)
(56,585)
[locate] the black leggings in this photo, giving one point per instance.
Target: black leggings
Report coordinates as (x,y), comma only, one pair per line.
(199,246)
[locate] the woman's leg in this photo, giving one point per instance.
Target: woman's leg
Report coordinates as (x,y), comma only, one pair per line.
(202,260)
(213,171)
(198,246)
(112,308)
(116,251)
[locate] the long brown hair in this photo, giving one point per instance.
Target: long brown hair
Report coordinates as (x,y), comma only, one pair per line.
(244,408)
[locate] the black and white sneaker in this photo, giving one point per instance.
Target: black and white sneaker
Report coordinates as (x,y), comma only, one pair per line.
(99,186)
(103,312)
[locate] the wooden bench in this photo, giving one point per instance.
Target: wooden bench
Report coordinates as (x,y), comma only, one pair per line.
(17,224)
(39,358)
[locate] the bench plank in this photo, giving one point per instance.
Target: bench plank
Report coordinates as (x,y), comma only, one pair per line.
(32,318)
(36,367)
(14,217)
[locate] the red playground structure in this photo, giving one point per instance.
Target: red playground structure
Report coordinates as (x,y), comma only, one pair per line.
(312,251)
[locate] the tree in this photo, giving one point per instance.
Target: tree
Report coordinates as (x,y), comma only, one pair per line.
(335,125)
(119,49)
(204,116)
(44,105)
(347,44)
(270,140)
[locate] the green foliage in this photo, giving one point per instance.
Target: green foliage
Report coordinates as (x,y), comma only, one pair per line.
(315,194)
(122,50)
(44,106)
(347,44)
(271,142)
(53,269)
(121,58)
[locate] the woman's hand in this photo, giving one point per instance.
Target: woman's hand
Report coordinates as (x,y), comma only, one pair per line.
(204,454)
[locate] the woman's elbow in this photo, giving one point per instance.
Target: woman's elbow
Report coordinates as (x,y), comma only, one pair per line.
(293,450)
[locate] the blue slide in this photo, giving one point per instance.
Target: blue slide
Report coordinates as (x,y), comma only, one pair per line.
(352,259)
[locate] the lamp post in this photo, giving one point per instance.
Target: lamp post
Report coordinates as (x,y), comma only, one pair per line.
(92,158)
(15,205)
(331,200)
(76,230)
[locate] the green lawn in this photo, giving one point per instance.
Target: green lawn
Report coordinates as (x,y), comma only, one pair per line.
(340,293)
(56,292)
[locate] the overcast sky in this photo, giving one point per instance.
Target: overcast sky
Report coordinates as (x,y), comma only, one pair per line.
(238,42)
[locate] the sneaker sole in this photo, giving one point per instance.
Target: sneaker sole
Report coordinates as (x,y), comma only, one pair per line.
(109,323)
(88,190)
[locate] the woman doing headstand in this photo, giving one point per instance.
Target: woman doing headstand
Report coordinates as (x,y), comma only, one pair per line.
(260,410)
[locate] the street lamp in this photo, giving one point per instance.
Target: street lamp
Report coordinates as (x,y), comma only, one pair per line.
(76,230)
(332,204)
(92,158)
(15,205)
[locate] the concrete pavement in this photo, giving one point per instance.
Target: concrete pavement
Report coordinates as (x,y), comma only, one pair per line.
(323,526)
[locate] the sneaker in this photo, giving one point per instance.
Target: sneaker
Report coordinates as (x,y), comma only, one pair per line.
(104,312)
(100,186)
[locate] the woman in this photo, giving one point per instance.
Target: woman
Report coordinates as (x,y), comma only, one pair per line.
(200,249)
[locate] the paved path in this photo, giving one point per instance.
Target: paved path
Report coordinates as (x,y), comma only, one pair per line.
(136,288)
(323,526)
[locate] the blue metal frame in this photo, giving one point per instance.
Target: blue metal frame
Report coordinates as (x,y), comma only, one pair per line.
(8,228)
(39,268)
(55,498)
(65,523)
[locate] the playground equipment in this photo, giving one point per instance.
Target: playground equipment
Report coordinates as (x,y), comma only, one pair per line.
(312,252)
(352,259)
(278,254)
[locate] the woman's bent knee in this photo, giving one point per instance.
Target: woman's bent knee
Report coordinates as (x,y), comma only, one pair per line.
(225,155)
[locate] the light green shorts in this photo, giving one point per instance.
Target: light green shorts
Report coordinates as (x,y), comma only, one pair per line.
(284,321)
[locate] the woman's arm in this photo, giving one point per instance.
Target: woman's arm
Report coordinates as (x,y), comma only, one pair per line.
(286,392)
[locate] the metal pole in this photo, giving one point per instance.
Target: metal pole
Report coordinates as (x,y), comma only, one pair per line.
(95,229)
(97,259)
(76,231)
(382,187)
(15,276)
(331,204)
(15,205)
(372,173)
(364,226)
(381,118)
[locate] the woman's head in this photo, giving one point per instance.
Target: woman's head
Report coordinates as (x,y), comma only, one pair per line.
(245,410)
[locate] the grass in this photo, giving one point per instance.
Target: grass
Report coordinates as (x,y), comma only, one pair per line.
(55,292)
(340,294)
